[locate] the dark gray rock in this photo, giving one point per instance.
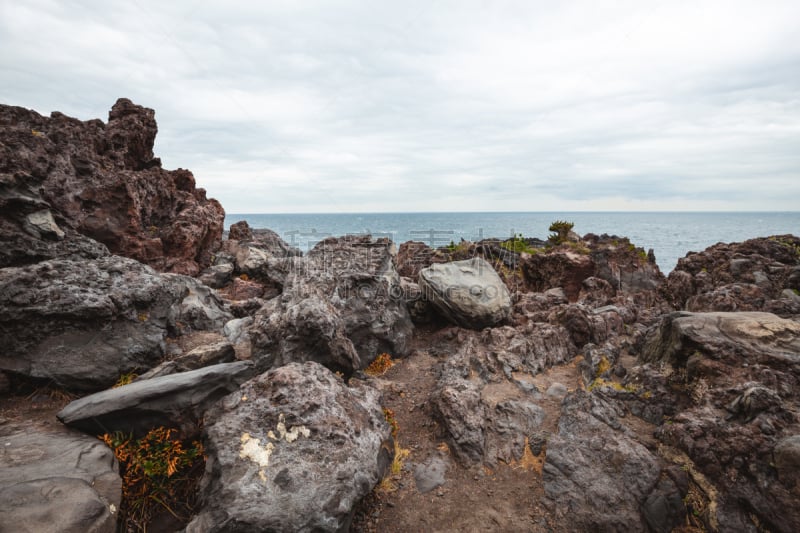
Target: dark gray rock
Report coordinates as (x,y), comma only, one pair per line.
(430,474)
(596,476)
(202,356)
(217,276)
(294,450)
(53,479)
(341,307)
(787,460)
(83,323)
(199,308)
(487,410)
(664,509)
(176,400)
(469,293)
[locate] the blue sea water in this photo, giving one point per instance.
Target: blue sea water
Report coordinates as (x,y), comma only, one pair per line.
(670,235)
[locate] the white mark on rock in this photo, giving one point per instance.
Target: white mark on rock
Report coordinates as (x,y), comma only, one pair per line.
(294,433)
(252,449)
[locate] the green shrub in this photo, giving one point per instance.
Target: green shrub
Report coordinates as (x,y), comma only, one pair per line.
(560,229)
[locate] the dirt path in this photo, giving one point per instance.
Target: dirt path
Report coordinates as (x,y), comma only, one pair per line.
(508,498)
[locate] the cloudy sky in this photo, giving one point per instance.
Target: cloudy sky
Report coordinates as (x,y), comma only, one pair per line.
(323,106)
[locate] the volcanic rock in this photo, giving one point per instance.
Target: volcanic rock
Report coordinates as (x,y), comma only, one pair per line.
(746,276)
(61,176)
(53,479)
(342,306)
(740,372)
(294,450)
(83,323)
(469,293)
(596,476)
(176,400)
(482,402)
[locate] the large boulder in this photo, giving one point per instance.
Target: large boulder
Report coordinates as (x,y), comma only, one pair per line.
(342,306)
(83,323)
(294,450)
(174,400)
(59,176)
(597,477)
(469,292)
(53,479)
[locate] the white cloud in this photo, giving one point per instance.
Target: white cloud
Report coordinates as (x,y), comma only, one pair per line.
(470,105)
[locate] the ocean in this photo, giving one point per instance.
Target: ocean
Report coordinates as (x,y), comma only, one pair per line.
(670,235)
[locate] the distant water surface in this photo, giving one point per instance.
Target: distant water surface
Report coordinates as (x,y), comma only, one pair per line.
(670,235)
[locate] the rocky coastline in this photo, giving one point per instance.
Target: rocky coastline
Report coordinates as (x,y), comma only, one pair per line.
(539,385)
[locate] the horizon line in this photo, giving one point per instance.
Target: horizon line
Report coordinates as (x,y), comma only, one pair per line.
(507,212)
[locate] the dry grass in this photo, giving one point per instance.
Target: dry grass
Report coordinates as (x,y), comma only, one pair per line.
(380,365)
(528,461)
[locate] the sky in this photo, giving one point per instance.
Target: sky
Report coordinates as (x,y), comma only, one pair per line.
(373,106)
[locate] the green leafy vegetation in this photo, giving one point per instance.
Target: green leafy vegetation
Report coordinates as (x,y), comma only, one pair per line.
(560,229)
(518,244)
(125,379)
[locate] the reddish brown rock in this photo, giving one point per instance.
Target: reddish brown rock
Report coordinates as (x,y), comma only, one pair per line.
(626,268)
(755,275)
(240,231)
(102,181)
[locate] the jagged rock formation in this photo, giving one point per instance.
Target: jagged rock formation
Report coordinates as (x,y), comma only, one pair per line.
(341,306)
(756,275)
(60,177)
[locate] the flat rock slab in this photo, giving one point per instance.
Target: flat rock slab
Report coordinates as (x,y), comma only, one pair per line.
(176,400)
(294,450)
(735,338)
(55,479)
(469,293)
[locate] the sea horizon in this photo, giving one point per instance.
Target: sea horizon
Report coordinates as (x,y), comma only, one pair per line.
(671,234)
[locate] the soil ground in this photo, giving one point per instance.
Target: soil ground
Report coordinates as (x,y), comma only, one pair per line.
(473,498)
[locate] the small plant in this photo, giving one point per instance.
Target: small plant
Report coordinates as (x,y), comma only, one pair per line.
(153,230)
(560,229)
(142,317)
(603,366)
(518,244)
(244,277)
(125,379)
(380,365)
(388,414)
(601,383)
(400,454)
(159,471)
